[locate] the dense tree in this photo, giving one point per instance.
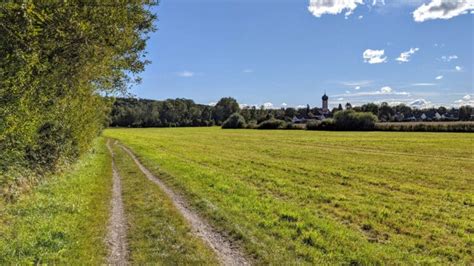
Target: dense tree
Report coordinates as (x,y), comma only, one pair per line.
(465,112)
(130,112)
(370,107)
(57,59)
(224,108)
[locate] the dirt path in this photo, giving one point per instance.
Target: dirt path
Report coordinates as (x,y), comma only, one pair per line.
(227,253)
(116,236)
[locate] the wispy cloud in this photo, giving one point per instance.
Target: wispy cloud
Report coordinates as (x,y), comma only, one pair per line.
(247,70)
(186,74)
(422,84)
(449,58)
(386,90)
(356,83)
(439,77)
(405,56)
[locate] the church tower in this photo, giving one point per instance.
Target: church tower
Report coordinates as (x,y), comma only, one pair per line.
(325,103)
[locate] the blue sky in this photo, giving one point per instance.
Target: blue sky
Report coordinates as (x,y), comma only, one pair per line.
(288,52)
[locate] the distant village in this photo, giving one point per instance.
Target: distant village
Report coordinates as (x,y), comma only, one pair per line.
(387,113)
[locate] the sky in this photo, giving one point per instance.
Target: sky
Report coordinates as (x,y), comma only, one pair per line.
(280,53)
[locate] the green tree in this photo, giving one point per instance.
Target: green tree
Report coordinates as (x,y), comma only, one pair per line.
(57,61)
(224,108)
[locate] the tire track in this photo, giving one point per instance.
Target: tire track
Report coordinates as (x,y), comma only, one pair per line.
(117,235)
(226,251)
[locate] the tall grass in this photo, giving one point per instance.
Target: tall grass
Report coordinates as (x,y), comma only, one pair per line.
(64,220)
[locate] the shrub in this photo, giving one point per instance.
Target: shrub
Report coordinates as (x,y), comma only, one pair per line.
(326,124)
(252,124)
(351,120)
(272,123)
(293,126)
(234,121)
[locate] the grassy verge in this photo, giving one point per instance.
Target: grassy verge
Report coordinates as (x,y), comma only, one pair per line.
(323,197)
(63,220)
(156,231)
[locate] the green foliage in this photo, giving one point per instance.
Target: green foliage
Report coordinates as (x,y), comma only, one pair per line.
(58,58)
(235,121)
(64,220)
(272,123)
(351,120)
(156,230)
(130,112)
(323,197)
(326,124)
(224,109)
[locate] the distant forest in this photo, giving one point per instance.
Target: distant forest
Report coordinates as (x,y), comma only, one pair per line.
(133,112)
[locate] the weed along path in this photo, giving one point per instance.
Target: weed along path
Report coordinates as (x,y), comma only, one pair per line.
(226,252)
(116,237)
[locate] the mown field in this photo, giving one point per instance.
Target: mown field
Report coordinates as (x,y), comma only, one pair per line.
(323,197)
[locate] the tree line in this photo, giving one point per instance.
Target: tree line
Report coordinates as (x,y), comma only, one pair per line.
(132,112)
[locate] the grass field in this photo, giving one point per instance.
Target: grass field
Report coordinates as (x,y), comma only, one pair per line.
(323,197)
(64,220)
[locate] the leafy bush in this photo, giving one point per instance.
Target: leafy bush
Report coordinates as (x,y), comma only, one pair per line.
(51,90)
(234,121)
(252,124)
(326,124)
(351,120)
(291,126)
(272,123)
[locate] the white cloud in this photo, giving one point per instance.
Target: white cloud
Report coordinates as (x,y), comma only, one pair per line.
(374,56)
(423,84)
(356,83)
(268,105)
(405,56)
(186,74)
(468,99)
(442,9)
(439,77)
(448,58)
(300,106)
(212,103)
(458,68)
(374,2)
(333,7)
(420,104)
(340,99)
(248,70)
(357,88)
(284,105)
(360,17)
(386,90)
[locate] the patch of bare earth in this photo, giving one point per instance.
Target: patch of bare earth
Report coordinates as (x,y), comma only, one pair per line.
(227,252)
(117,229)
